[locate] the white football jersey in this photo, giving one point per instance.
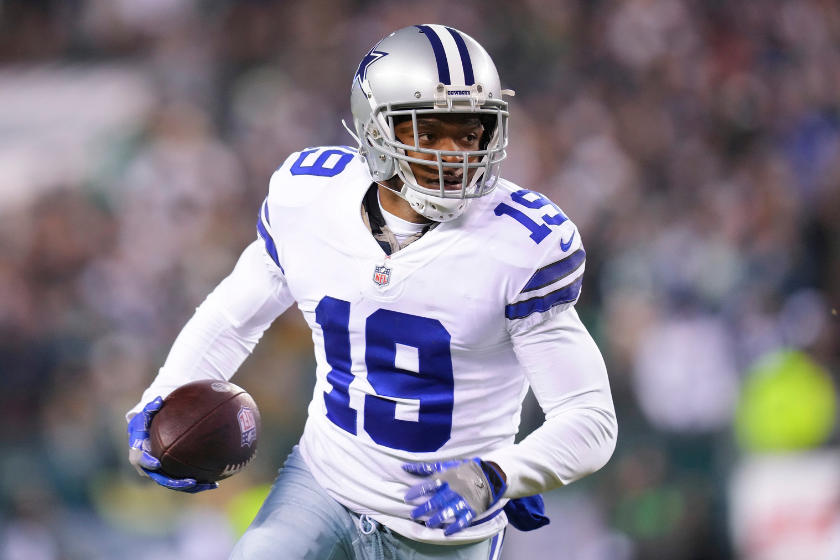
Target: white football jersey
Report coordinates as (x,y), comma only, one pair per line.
(414,353)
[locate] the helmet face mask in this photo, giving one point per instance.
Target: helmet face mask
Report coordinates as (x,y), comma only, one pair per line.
(449,74)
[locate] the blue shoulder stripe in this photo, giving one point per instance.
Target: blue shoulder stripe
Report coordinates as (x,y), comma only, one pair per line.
(541,304)
(270,247)
(553,272)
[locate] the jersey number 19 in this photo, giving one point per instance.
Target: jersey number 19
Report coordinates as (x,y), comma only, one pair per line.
(430,389)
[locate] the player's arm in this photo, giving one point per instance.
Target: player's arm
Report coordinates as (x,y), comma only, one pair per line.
(225,328)
(213,344)
(566,372)
(568,376)
(569,379)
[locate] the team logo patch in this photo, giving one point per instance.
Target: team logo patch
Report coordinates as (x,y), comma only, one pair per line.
(381,275)
(247,426)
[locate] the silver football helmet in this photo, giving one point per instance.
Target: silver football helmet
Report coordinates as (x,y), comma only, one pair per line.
(429,70)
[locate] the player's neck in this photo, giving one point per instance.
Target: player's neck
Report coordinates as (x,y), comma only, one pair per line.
(398,206)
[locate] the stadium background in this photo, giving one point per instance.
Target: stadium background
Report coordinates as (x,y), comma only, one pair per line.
(695,144)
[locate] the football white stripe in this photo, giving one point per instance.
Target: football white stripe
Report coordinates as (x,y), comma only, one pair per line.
(453,56)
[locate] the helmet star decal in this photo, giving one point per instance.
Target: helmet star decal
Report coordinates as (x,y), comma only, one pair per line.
(370,58)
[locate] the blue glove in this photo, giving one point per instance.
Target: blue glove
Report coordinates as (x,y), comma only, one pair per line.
(139,446)
(458,492)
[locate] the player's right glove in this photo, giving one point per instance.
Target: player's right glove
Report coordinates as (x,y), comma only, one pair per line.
(139,446)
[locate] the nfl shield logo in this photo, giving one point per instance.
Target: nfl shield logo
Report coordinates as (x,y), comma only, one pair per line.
(381,275)
(247,425)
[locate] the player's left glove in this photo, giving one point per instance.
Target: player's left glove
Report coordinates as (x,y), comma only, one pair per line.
(139,445)
(457,492)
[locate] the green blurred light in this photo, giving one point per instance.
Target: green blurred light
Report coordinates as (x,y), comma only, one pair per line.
(136,505)
(653,514)
(788,403)
(244,508)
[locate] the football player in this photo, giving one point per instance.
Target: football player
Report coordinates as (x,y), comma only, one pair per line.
(437,293)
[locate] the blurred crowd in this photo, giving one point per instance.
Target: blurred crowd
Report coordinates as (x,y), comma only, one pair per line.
(695,143)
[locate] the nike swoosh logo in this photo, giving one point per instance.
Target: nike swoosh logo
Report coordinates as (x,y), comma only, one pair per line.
(565,246)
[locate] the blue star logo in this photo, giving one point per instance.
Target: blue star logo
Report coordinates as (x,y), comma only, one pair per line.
(370,58)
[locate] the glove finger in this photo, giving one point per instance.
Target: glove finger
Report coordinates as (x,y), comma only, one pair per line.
(140,470)
(138,461)
(201,487)
(462,521)
(147,461)
(422,490)
(138,426)
(454,510)
(427,469)
(442,499)
(171,483)
(419,469)
(153,406)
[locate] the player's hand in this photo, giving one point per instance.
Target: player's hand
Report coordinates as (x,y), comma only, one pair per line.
(139,446)
(455,493)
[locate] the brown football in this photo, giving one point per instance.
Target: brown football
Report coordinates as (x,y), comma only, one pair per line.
(206,430)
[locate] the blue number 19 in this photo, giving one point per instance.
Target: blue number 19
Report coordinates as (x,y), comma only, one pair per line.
(538,231)
(318,167)
(431,386)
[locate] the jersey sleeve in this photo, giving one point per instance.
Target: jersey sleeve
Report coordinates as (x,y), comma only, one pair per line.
(225,327)
(554,285)
(567,374)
